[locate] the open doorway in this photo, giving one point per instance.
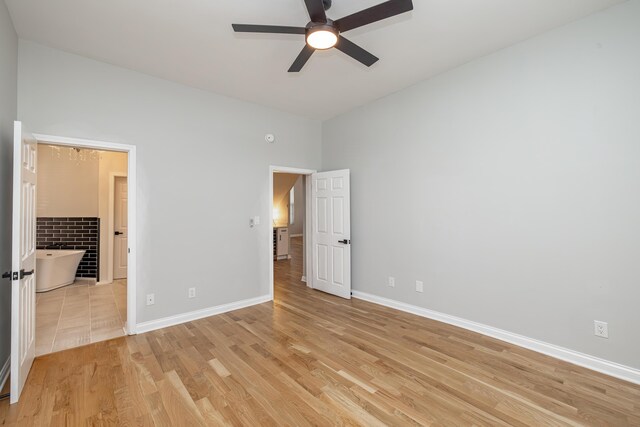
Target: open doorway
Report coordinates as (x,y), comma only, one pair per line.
(81,264)
(289,220)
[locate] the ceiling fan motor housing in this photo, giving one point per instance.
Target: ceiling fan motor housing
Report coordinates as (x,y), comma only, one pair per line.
(327,4)
(313,27)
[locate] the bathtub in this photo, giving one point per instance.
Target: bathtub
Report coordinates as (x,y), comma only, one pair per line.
(56,268)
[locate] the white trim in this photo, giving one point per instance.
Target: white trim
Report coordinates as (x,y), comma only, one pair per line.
(304,279)
(83,143)
(165,322)
(285,169)
(307,268)
(4,373)
(586,361)
(132,184)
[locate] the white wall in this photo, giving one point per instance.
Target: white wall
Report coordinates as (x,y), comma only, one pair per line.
(282,184)
(8,100)
(299,207)
(188,143)
(67,182)
(510,186)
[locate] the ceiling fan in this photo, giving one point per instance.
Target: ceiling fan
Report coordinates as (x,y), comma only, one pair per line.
(323,33)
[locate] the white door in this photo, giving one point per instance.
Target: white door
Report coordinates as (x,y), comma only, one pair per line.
(23,283)
(331,232)
(120,244)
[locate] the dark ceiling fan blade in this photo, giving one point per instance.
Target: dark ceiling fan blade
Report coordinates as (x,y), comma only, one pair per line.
(302,59)
(316,10)
(273,29)
(356,52)
(373,14)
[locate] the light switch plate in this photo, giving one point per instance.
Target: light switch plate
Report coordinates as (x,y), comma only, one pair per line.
(419,286)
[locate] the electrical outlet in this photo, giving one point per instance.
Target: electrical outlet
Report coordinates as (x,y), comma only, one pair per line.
(601,329)
(151,299)
(392,282)
(419,286)
(192,292)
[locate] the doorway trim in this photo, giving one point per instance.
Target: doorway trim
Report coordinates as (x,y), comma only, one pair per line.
(131,324)
(307,224)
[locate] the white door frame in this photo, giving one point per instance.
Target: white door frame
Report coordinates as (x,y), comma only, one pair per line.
(111,224)
(131,188)
(307,225)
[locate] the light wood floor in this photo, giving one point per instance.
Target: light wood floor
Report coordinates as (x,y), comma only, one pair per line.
(312,359)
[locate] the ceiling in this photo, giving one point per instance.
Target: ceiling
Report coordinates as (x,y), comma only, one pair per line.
(191,42)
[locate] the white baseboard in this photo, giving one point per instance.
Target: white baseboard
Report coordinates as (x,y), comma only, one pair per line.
(4,373)
(165,322)
(590,362)
(304,279)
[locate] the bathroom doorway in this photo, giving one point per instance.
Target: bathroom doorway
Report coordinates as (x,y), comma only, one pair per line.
(82,246)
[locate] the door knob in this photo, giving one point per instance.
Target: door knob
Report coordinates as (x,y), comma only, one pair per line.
(344,242)
(26,273)
(6,275)
(118,233)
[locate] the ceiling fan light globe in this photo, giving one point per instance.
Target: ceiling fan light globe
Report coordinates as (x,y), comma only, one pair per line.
(322,39)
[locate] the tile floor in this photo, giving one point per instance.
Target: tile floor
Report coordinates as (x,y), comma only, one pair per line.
(79,314)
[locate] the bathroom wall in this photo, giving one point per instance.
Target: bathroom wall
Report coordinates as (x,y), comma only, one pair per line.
(75,184)
(8,113)
(67,182)
(73,233)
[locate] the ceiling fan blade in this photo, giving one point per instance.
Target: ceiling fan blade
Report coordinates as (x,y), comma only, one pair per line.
(302,59)
(273,29)
(356,52)
(316,10)
(373,14)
